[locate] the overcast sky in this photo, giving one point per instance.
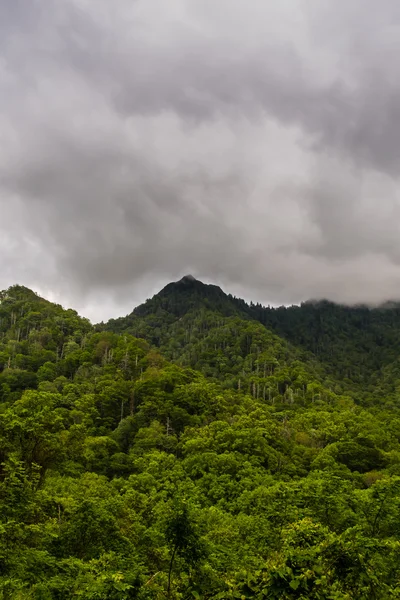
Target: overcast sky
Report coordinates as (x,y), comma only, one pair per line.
(253,144)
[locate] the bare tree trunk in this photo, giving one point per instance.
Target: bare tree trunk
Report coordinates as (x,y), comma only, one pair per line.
(132,404)
(170,571)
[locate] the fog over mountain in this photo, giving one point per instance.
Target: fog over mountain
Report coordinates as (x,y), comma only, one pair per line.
(252,144)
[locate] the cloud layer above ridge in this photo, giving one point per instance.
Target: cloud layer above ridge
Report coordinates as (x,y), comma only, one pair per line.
(252,144)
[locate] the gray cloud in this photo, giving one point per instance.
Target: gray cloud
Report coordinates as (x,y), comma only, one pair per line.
(255,145)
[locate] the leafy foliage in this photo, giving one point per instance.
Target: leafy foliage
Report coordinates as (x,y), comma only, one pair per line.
(189,451)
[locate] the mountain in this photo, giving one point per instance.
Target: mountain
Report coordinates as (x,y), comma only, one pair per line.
(199,448)
(188,294)
(199,326)
(356,348)
(358,344)
(173,302)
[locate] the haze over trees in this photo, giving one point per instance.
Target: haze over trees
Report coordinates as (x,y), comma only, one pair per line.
(200,447)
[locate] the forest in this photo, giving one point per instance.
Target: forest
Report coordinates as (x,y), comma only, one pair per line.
(199,448)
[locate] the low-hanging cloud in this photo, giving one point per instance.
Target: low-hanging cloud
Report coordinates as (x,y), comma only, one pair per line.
(253,144)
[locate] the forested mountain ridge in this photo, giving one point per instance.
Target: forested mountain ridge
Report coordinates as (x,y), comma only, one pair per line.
(225,463)
(199,326)
(172,303)
(356,343)
(357,349)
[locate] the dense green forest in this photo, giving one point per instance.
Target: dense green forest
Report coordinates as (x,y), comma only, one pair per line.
(199,448)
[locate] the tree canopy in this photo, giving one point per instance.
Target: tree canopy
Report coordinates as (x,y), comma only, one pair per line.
(199,448)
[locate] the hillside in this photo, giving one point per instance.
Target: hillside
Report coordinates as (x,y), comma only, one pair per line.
(198,326)
(214,459)
(356,350)
(360,345)
(153,318)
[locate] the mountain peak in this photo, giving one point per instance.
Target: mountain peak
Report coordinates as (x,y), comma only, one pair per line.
(187,279)
(187,294)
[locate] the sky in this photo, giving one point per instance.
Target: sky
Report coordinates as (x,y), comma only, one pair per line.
(253,144)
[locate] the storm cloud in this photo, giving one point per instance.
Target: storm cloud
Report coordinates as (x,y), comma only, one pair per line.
(253,144)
